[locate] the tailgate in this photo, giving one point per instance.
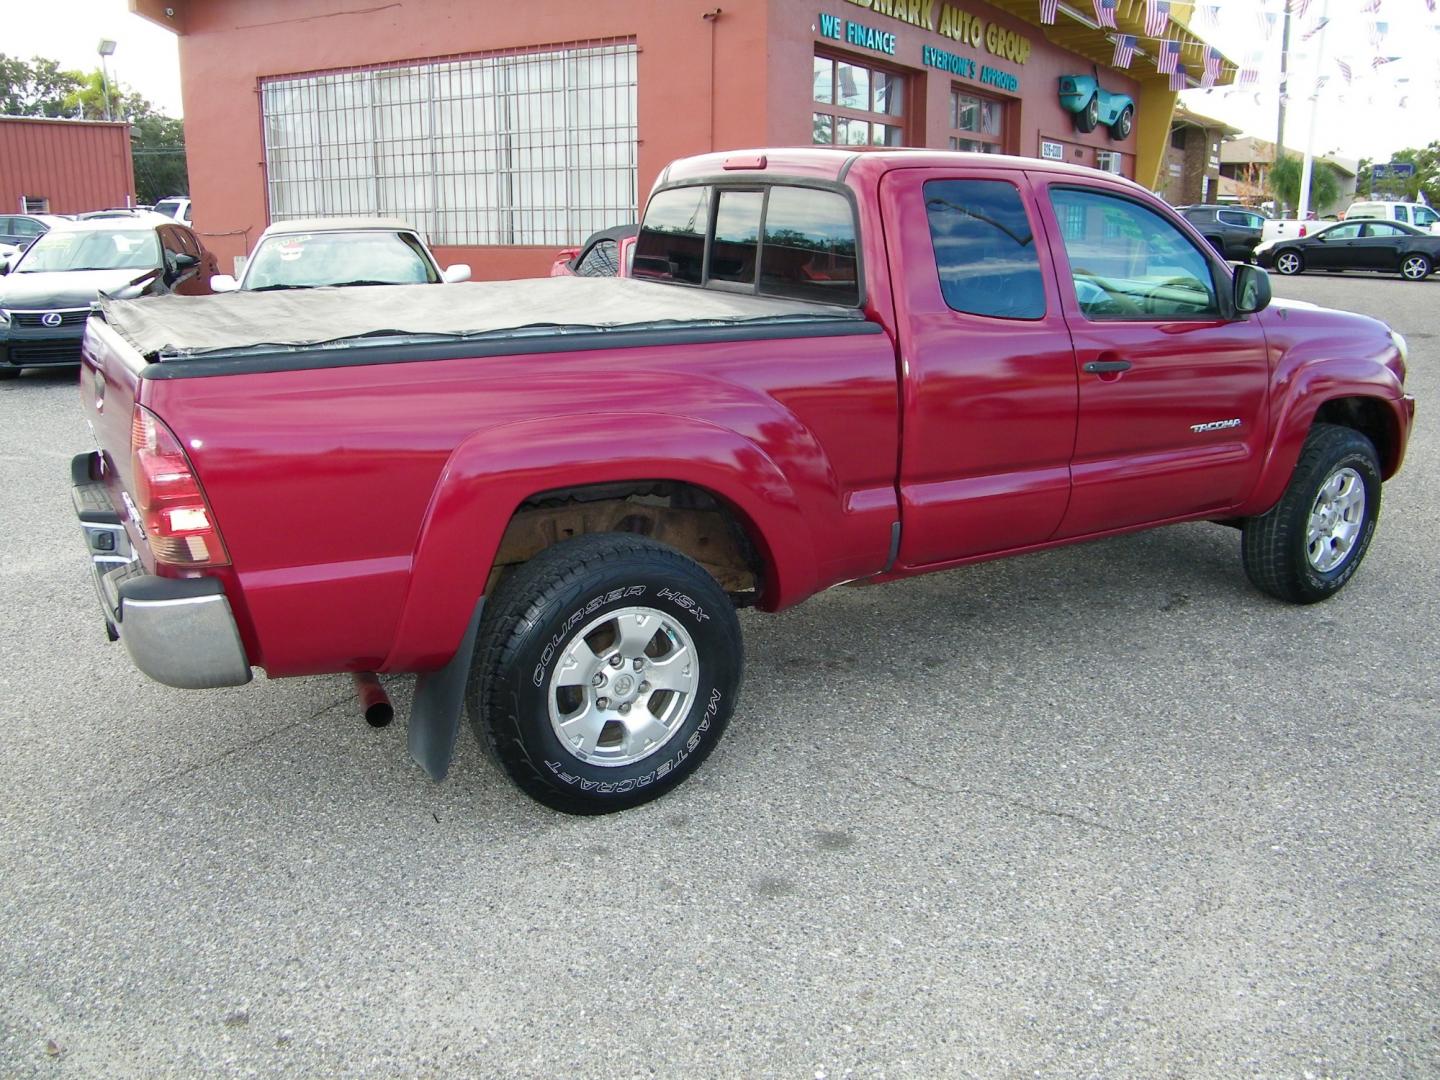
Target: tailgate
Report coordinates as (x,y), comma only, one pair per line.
(109,385)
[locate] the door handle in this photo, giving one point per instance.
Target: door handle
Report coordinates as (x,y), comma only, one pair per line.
(1100,367)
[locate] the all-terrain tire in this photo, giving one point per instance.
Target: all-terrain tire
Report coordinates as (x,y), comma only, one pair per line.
(543,640)
(1280,555)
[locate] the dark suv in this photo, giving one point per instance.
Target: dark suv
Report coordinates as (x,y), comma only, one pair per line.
(1234,231)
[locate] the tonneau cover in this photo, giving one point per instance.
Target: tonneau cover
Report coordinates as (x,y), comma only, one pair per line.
(176,327)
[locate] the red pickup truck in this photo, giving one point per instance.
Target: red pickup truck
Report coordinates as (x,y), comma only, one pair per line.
(548,498)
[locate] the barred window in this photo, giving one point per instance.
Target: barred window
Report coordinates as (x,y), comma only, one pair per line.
(516,148)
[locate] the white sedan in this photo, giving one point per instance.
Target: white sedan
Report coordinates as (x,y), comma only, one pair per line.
(316,252)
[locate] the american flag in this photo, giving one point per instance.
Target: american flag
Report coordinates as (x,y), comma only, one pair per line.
(1315,29)
(1381,61)
(1266,20)
(1048,9)
(1167,53)
(1157,17)
(1248,76)
(1298,8)
(1124,50)
(1345,72)
(1371,5)
(1178,77)
(1212,66)
(1210,12)
(1378,30)
(1105,12)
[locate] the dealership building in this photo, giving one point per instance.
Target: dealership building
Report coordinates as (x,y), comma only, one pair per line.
(507,130)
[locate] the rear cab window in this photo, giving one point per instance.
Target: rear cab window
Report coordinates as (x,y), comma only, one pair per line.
(984,249)
(782,240)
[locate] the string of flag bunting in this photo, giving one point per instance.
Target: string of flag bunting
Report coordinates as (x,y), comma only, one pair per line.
(1163,39)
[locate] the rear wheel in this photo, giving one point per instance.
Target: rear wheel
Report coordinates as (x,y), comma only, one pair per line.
(1289,262)
(1415,268)
(1314,539)
(605,671)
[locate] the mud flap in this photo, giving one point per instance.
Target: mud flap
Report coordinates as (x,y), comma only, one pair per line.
(439,700)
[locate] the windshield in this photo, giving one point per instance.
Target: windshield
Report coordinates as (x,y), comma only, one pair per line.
(169,207)
(364,257)
(108,249)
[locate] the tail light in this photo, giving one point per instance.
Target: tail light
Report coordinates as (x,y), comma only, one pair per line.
(1303,230)
(173,511)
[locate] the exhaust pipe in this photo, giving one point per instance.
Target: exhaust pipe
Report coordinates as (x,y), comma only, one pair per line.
(374,702)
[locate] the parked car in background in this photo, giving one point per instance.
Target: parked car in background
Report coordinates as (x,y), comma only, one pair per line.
(46,295)
(605,254)
(1386,247)
(176,207)
(1407,213)
(118,213)
(1233,231)
(20,230)
(315,252)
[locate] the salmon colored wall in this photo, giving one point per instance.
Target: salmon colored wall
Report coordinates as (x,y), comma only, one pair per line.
(77,165)
(228,46)
(795,32)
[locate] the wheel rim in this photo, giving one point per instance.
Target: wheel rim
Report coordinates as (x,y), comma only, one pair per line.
(1125,124)
(1335,520)
(623,686)
(1092,112)
(1287,263)
(1414,267)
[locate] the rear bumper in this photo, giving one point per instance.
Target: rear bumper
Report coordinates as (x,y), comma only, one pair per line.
(179,631)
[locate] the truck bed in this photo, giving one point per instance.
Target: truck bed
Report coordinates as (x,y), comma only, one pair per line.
(170,329)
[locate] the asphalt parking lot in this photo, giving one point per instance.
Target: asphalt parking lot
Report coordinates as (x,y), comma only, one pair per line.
(1102,812)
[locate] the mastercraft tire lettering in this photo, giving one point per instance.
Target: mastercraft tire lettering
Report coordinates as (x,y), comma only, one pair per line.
(605,671)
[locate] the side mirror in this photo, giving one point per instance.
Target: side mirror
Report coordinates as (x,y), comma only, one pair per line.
(4,265)
(451,274)
(224,283)
(186,262)
(1252,289)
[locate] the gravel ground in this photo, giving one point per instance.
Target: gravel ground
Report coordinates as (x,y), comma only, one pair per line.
(1102,812)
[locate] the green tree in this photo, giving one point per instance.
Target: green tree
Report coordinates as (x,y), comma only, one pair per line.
(1285,183)
(36,87)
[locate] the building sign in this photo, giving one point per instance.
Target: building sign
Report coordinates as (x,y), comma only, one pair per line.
(966,68)
(955,23)
(854,33)
(1052,151)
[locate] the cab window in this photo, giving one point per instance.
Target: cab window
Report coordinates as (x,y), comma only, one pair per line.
(984,249)
(1384,228)
(1349,231)
(1402,213)
(1128,262)
(780,240)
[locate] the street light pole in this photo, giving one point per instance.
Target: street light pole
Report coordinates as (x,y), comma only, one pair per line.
(107,49)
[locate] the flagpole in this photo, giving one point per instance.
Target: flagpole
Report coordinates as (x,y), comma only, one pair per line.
(1284,94)
(1307,168)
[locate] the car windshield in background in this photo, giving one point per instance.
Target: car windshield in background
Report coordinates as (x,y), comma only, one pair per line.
(103,249)
(308,260)
(169,207)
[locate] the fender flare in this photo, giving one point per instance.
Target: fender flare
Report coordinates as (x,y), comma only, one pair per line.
(1318,385)
(491,473)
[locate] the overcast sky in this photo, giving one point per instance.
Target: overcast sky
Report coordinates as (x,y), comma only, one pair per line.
(1383,109)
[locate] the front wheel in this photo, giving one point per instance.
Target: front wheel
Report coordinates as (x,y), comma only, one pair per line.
(1415,268)
(1121,128)
(1313,540)
(1289,262)
(1088,118)
(605,671)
